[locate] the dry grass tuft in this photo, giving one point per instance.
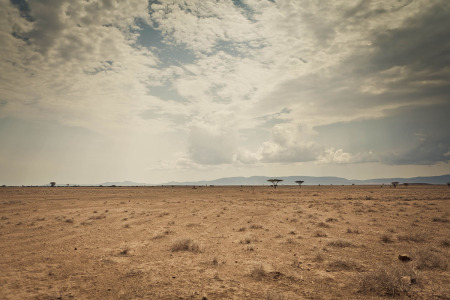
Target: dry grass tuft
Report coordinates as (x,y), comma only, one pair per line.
(271,295)
(323,225)
(258,272)
(125,251)
(387,281)
(340,244)
(442,220)
(343,265)
(185,244)
(256,226)
(427,259)
(386,238)
(417,237)
(320,234)
(445,243)
(161,234)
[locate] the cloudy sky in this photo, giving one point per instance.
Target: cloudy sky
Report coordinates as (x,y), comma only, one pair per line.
(154,91)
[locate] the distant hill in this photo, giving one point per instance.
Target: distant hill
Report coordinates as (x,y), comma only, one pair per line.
(310,180)
(123,183)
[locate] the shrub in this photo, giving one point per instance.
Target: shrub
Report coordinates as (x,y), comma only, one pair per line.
(258,272)
(340,244)
(343,265)
(439,219)
(386,238)
(445,243)
(320,234)
(323,225)
(387,281)
(426,259)
(255,226)
(185,244)
(414,237)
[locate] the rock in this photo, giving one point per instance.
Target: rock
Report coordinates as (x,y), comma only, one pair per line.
(408,280)
(404,258)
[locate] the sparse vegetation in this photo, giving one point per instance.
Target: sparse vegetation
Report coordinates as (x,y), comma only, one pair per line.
(323,225)
(393,280)
(258,272)
(340,244)
(185,244)
(320,234)
(386,238)
(427,259)
(416,237)
(324,249)
(343,265)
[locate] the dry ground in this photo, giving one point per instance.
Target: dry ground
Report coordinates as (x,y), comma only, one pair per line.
(328,242)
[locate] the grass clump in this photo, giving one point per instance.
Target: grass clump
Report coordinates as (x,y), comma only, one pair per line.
(340,244)
(320,234)
(394,280)
(386,238)
(185,244)
(417,237)
(427,259)
(323,225)
(442,220)
(355,231)
(445,243)
(343,265)
(258,272)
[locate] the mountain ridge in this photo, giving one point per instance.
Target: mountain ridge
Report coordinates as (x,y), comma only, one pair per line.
(313,180)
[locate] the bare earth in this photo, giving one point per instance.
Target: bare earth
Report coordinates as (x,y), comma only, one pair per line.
(327,242)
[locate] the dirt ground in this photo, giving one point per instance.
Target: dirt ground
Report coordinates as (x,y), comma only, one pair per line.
(309,242)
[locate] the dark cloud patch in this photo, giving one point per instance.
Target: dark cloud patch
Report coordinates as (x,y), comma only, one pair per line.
(409,135)
(422,42)
(24,9)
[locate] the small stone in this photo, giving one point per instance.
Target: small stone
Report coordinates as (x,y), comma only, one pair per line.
(407,280)
(404,258)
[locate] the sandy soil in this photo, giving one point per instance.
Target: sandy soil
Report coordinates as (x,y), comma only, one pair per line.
(328,242)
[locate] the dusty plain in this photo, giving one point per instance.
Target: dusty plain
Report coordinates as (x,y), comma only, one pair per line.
(309,242)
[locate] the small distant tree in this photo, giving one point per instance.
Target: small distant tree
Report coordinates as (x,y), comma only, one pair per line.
(394,183)
(52,183)
(299,182)
(274,182)
(406,184)
(448,184)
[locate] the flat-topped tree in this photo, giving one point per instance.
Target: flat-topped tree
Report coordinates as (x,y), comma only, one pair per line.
(52,183)
(394,183)
(274,182)
(300,182)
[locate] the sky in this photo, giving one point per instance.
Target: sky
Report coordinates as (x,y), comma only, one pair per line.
(156,91)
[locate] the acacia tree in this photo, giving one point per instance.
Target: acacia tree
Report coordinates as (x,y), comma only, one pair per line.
(300,182)
(52,183)
(395,183)
(406,184)
(274,182)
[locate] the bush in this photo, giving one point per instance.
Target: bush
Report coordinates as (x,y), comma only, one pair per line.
(340,244)
(417,237)
(385,238)
(430,260)
(343,265)
(258,272)
(185,244)
(387,281)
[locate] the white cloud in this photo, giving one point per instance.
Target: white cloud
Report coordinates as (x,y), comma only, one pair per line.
(256,72)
